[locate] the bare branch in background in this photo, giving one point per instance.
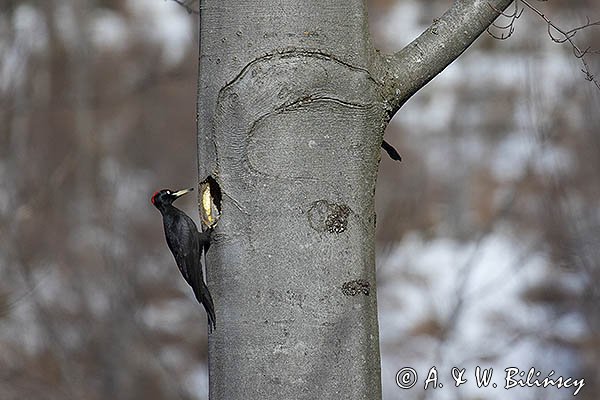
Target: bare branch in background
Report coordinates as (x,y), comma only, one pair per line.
(557,34)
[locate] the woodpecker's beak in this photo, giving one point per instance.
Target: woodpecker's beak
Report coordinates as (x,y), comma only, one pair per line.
(180,193)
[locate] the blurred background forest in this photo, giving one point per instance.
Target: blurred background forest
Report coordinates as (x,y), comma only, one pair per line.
(488,234)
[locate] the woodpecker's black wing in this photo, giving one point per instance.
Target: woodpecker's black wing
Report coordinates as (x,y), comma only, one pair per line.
(183,240)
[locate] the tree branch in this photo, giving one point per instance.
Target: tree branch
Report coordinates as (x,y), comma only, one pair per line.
(406,71)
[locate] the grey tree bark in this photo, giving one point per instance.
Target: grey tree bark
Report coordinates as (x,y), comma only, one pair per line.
(293,101)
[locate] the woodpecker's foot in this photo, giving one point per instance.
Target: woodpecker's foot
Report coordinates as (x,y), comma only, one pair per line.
(205,238)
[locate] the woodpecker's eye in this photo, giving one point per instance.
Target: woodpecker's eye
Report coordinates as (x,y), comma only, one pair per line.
(168,192)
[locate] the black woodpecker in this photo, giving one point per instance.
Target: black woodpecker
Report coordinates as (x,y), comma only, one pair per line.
(187,245)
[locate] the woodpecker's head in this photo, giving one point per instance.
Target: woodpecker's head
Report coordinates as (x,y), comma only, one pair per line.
(166,197)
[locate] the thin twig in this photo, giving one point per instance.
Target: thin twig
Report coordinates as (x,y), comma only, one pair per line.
(510,25)
(559,35)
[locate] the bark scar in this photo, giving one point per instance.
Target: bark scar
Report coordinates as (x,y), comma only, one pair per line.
(295,52)
(356,287)
(324,216)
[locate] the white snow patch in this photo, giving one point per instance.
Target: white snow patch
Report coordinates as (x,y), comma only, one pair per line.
(197,382)
(109,31)
(553,160)
(24,328)
(52,288)
(571,327)
(512,156)
(130,188)
(168,316)
(30,38)
(172,356)
(98,299)
(520,151)
(400,26)
(30,29)
(167,25)
(432,279)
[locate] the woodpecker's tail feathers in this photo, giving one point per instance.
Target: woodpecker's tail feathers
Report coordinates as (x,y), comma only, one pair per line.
(204,297)
(212,322)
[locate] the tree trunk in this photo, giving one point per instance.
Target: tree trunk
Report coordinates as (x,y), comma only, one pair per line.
(292,104)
